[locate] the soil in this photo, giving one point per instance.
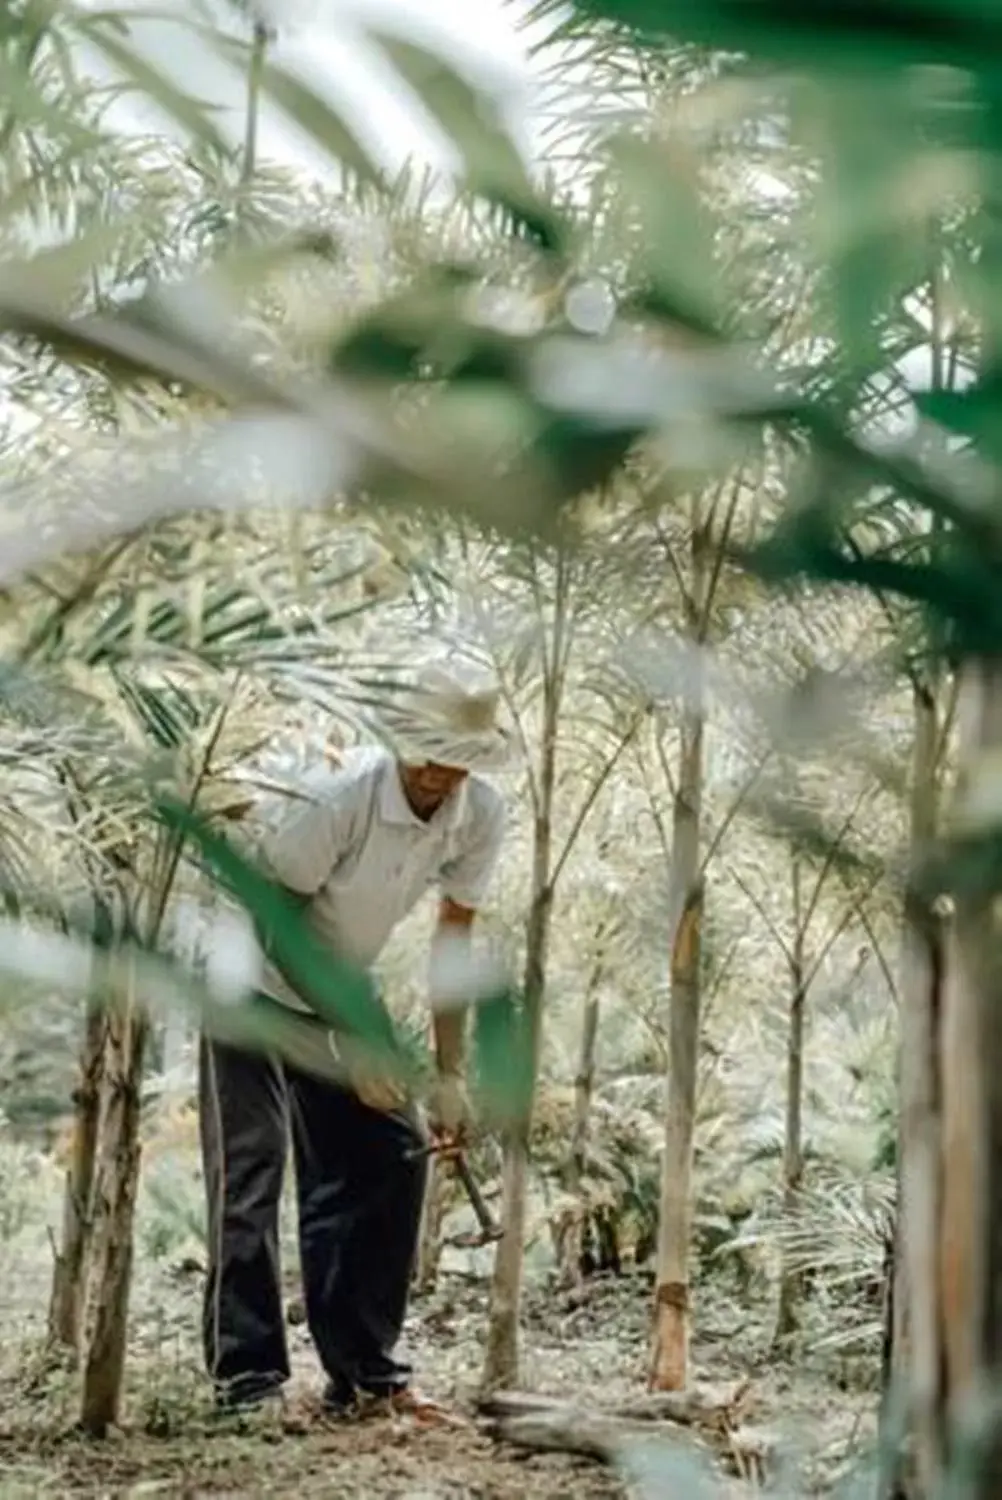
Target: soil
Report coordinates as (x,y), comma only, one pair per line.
(588,1347)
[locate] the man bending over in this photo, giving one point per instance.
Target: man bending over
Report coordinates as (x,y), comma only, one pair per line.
(374,834)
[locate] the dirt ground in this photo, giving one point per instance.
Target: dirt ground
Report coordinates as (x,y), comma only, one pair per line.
(590,1349)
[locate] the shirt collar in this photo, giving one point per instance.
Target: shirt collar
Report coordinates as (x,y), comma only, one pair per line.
(394,807)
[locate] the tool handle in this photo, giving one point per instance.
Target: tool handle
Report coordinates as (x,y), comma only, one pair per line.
(474,1194)
(469,1182)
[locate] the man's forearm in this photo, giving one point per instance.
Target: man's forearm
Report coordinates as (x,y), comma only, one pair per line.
(451,951)
(449,1027)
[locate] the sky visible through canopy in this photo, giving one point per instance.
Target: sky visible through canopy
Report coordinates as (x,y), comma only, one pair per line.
(323,41)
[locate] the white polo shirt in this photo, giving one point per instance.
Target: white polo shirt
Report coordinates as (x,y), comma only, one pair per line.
(353,843)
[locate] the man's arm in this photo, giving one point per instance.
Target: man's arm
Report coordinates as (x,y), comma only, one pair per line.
(450,946)
(464,884)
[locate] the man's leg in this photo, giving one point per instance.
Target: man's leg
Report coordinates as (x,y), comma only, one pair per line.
(360,1193)
(244,1130)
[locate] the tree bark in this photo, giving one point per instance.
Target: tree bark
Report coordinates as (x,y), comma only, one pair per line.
(501,1364)
(670,1352)
(970,1240)
(571,1231)
(790,1280)
(69,1280)
(916,1354)
(104,1368)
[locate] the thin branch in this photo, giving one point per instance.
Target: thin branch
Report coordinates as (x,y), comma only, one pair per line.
(255,74)
(660,826)
(719,553)
(664,762)
(511,704)
(735,807)
(590,798)
(830,858)
(878,948)
(767,919)
(178,837)
(672,560)
(848,913)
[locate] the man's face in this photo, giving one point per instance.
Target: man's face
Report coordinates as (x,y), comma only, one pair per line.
(427,786)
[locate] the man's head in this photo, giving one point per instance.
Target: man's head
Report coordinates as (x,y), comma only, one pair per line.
(444,726)
(426,786)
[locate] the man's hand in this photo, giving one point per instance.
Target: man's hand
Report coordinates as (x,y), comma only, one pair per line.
(370,1078)
(448,1113)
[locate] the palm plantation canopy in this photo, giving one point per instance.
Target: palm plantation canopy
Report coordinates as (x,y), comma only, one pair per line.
(690,425)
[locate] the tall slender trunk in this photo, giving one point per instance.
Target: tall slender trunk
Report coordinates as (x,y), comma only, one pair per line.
(970,1240)
(127,1038)
(502,1359)
(571,1231)
(69,1281)
(104,1368)
(916,1354)
(790,1280)
(912,1404)
(501,1362)
(670,1352)
(669,1367)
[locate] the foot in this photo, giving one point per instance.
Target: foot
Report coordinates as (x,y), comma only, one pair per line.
(266,1413)
(344,1401)
(422,1409)
(247,1394)
(340,1399)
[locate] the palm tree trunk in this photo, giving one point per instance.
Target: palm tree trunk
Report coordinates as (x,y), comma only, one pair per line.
(670,1352)
(916,1354)
(571,1232)
(104,1368)
(970,1240)
(69,1281)
(669,1366)
(501,1364)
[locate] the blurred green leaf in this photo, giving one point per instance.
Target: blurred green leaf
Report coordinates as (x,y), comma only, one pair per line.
(503,1059)
(826,35)
(670,241)
(342,995)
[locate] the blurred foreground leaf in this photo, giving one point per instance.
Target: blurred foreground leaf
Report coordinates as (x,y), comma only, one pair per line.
(341,994)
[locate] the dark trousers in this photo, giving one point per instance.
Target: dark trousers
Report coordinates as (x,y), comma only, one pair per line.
(359,1197)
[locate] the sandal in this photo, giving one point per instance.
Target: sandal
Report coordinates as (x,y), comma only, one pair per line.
(423,1409)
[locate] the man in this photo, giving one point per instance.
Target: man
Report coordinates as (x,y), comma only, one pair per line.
(374,834)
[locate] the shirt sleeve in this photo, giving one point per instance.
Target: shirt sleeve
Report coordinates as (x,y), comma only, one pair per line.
(465,878)
(306,847)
